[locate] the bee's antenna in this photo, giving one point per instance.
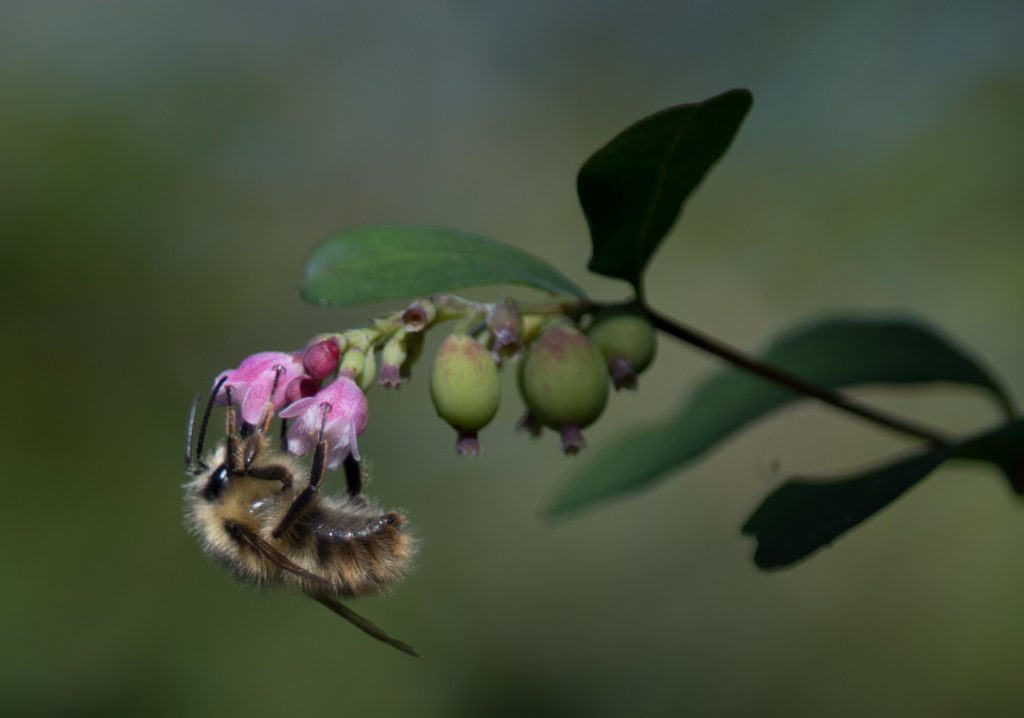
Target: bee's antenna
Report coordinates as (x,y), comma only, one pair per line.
(197,465)
(206,414)
(190,467)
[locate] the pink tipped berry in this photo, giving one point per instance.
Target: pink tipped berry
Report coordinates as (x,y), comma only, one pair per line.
(465,388)
(321,359)
(564,382)
(627,340)
(346,414)
(255,379)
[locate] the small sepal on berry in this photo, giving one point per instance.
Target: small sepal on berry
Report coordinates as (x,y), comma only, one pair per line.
(529,423)
(627,340)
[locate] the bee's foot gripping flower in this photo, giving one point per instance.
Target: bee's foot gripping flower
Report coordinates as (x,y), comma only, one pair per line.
(260,379)
(340,409)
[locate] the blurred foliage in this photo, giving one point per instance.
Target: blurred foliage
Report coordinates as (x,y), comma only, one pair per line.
(831,352)
(167,167)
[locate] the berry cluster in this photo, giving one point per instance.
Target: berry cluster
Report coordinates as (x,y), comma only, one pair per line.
(566,355)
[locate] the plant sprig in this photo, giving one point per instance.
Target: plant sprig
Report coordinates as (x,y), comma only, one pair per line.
(632,191)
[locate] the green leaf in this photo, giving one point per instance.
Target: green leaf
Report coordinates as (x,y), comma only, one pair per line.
(633,188)
(1003,447)
(803,515)
(374,262)
(833,352)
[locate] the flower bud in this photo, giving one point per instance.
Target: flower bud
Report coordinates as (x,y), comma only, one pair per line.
(564,382)
(532,325)
(392,357)
(368,374)
(413,351)
(321,359)
(627,340)
(506,326)
(465,388)
(358,362)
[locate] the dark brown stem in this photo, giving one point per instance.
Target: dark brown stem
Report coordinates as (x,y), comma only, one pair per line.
(835,398)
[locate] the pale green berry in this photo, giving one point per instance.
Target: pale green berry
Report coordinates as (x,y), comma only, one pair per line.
(627,340)
(564,382)
(465,388)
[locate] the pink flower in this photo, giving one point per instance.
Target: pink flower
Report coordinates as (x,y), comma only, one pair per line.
(347,412)
(253,380)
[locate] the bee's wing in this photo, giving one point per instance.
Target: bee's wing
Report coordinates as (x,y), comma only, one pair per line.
(250,538)
(253,540)
(361,623)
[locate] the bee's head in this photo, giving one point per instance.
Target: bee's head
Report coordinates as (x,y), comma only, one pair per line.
(216,483)
(210,485)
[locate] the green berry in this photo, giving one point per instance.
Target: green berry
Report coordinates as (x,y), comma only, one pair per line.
(465,388)
(628,342)
(564,382)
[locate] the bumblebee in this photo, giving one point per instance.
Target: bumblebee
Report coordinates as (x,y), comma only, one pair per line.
(253,514)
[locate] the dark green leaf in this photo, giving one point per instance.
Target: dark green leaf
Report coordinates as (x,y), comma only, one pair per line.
(1003,447)
(633,188)
(374,262)
(801,516)
(832,352)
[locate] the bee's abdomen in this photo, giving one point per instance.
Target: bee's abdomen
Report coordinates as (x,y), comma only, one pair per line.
(363,555)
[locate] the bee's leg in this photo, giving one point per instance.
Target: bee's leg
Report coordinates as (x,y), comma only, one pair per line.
(271,472)
(255,444)
(230,421)
(194,463)
(353,475)
(316,475)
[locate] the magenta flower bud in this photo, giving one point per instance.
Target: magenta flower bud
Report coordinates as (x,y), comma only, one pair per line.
(321,359)
(347,412)
(254,379)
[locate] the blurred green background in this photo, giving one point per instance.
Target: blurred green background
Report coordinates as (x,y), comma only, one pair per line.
(166,167)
